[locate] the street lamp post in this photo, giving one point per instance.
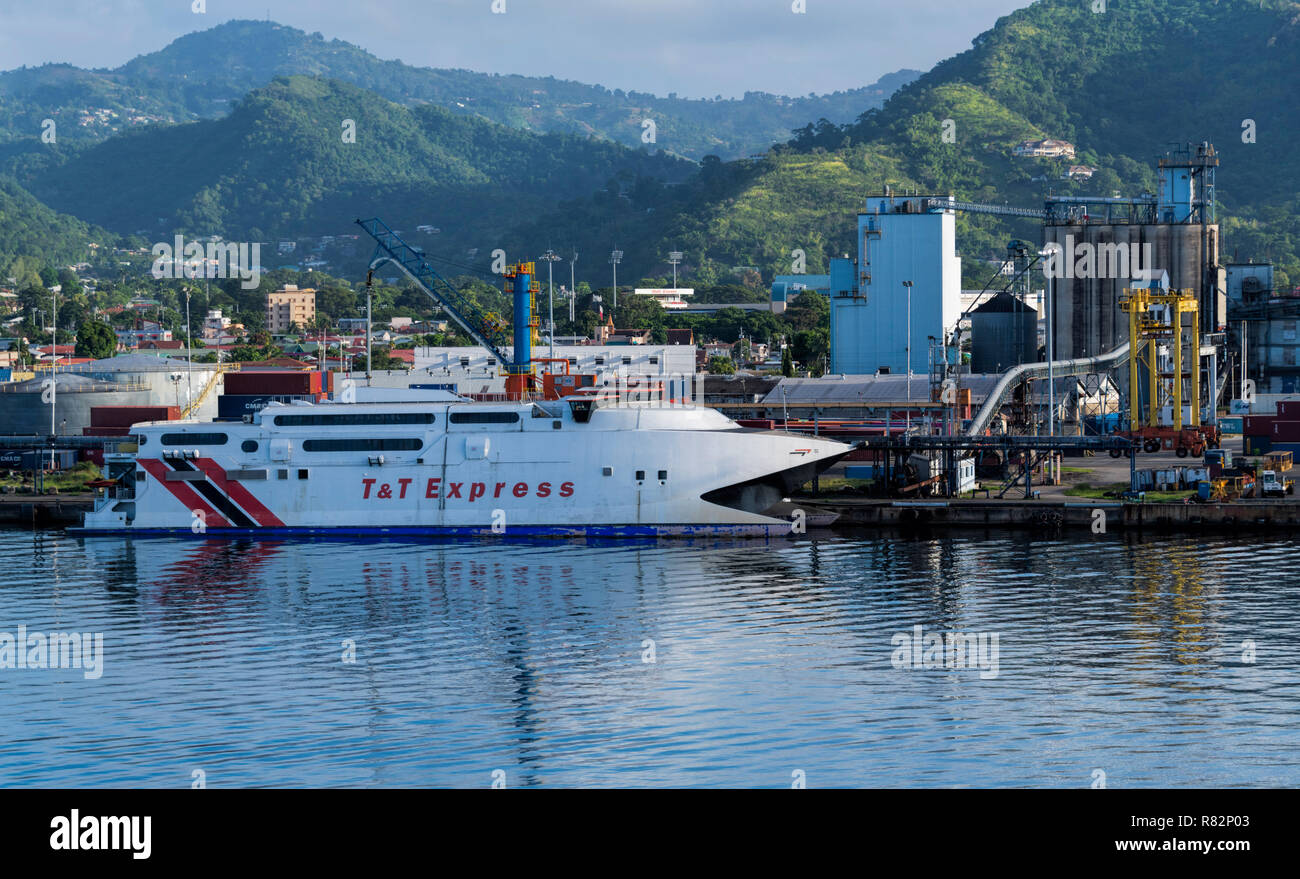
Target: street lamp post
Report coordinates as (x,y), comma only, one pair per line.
(1046,253)
(551,256)
(908,286)
(189,359)
(615,257)
(573,285)
(675,257)
(54,373)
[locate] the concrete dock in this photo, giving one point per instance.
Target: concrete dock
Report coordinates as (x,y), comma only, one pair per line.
(1048,515)
(43,510)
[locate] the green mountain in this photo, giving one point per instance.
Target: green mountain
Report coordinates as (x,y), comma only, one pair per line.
(203,74)
(283,164)
(33,236)
(1122,85)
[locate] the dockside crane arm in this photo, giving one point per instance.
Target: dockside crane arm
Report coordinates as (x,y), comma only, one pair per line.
(389,247)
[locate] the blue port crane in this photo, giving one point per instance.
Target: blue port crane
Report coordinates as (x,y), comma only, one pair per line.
(485,329)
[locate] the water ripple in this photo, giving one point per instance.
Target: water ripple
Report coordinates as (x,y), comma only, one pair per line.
(1161,661)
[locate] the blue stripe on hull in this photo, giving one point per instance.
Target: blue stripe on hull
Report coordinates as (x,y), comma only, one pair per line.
(527,531)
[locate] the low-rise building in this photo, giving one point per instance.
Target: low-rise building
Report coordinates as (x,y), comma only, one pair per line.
(288,306)
(1047,149)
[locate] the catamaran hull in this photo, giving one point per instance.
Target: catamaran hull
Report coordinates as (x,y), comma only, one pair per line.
(623,473)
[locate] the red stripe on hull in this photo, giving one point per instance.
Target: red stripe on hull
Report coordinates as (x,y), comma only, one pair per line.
(183,493)
(238,494)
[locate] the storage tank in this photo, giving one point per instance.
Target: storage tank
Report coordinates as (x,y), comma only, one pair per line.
(25,405)
(1086,314)
(1004,333)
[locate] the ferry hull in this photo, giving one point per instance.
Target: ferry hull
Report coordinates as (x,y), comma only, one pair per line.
(515,472)
(563,532)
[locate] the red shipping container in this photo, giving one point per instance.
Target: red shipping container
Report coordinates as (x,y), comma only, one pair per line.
(1286,431)
(125,416)
(246,383)
(1257,425)
(1289,410)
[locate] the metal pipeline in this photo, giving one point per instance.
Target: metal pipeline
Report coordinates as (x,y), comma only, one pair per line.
(1012,377)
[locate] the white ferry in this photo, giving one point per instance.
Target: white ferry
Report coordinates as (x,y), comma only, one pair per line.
(575,466)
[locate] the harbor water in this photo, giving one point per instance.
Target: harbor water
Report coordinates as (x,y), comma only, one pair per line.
(1100,660)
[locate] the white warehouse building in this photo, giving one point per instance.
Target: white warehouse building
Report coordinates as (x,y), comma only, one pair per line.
(474,371)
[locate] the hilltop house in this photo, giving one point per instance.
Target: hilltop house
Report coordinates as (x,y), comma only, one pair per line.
(1047,149)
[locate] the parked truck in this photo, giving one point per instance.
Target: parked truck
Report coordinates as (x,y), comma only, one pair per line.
(1274,484)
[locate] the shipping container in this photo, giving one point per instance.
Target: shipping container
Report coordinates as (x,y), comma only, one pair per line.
(1258,425)
(760,423)
(1286,431)
(284,383)
(1231,424)
(125,416)
(1256,445)
(27,459)
(1289,410)
(236,406)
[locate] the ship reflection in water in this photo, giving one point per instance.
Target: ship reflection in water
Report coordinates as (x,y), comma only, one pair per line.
(322,663)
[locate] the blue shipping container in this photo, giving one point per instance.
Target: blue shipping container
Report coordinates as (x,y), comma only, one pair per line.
(235,406)
(1256,445)
(25,459)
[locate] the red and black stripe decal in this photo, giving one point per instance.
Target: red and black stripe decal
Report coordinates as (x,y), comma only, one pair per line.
(183,492)
(238,493)
(214,496)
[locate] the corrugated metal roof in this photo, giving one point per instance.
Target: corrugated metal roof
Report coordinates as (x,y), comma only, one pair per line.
(849,389)
(872,389)
(1003,303)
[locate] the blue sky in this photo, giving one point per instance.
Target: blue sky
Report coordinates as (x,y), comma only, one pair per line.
(697,48)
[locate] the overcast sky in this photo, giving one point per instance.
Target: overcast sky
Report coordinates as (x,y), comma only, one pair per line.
(697,48)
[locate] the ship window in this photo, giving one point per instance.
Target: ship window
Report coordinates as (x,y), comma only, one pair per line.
(654,361)
(248,445)
(626,360)
(483,417)
(194,439)
(600,361)
(368,444)
(142,439)
(353,419)
(663,475)
(640,475)
(282,474)
(302,474)
(573,361)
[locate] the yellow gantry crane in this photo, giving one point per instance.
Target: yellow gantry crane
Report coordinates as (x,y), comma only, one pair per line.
(1164,340)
